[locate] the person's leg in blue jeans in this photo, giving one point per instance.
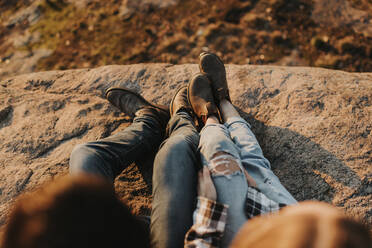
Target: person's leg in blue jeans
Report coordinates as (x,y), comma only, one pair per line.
(229,149)
(220,154)
(108,157)
(224,152)
(175,177)
(252,157)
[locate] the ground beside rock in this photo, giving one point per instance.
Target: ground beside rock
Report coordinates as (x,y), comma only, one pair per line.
(314,126)
(69,34)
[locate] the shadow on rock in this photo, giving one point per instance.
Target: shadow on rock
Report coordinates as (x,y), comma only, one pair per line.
(304,167)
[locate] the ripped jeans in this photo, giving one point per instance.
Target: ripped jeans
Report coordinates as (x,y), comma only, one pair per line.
(229,149)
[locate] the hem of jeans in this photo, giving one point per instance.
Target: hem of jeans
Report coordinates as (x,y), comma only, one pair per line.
(180,114)
(173,122)
(235,119)
(183,113)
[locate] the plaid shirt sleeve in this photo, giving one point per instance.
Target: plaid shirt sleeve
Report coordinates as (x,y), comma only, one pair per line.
(257,203)
(209,224)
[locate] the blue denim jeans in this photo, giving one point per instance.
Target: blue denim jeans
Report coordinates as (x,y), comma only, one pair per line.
(108,157)
(236,140)
(174,172)
(174,183)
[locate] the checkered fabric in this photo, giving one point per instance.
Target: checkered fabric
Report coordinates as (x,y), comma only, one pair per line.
(257,203)
(210,218)
(209,224)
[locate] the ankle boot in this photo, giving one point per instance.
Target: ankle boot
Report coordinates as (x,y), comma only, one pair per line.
(212,66)
(180,101)
(200,96)
(132,104)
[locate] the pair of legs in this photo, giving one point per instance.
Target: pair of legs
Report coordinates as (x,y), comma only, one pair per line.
(175,165)
(174,174)
(236,161)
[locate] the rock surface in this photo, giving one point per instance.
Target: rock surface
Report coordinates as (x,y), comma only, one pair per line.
(314,126)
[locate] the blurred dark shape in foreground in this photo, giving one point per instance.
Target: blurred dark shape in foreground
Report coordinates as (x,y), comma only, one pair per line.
(74,212)
(85,212)
(308,224)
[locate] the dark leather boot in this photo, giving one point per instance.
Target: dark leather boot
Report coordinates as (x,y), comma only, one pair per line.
(200,96)
(212,66)
(133,104)
(180,101)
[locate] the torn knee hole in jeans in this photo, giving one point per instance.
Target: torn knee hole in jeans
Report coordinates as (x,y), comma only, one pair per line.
(224,164)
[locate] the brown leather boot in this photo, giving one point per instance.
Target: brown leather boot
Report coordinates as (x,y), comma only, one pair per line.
(180,101)
(200,96)
(211,65)
(133,104)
